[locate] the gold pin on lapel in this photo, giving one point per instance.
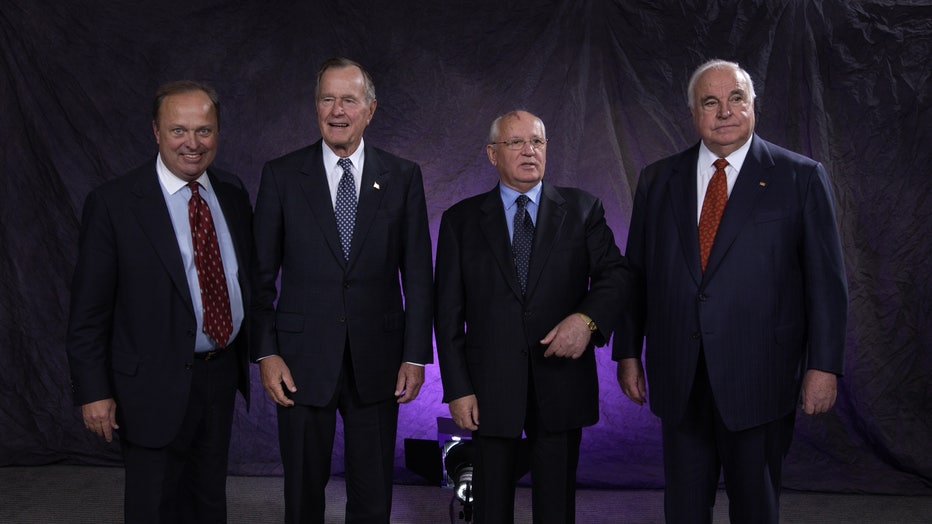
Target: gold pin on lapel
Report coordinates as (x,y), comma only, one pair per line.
(762,184)
(376,185)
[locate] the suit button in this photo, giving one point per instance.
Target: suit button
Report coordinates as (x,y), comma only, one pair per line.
(703,297)
(697,335)
(345,285)
(188,365)
(527,314)
(342,319)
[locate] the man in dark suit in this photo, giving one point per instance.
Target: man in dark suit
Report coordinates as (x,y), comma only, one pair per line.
(156,345)
(742,301)
(528,281)
(351,328)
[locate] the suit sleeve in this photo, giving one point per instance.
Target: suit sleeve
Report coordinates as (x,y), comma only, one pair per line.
(268,233)
(609,275)
(450,316)
(417,275)
(826,284)
(93,297)
(629,340)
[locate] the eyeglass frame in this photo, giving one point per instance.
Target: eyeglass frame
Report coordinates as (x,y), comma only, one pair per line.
(510,144)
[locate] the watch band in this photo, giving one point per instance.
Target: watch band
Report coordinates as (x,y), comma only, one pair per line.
(589,322)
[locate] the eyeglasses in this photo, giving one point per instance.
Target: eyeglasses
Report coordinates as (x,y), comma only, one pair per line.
(517,144)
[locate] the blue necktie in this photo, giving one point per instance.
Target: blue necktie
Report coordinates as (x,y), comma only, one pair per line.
(345,210)
(522,240)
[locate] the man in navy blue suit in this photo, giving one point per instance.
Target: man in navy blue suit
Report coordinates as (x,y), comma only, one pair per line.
(145,361)
(344,225)
(742,300)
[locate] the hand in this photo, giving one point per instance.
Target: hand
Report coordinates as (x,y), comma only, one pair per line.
(275,373)
(819,391)
(465,412)
(100,417)
(568,339)
(410,380)
(631,379)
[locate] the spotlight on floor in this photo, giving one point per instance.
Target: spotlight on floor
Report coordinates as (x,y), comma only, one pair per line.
(448,461)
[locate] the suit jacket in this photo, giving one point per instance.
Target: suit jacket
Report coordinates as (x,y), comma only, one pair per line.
(380,300)
(132,327)
(771,304)
(488,334)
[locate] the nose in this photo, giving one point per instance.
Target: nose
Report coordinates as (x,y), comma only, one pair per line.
(724,111)
(191,140)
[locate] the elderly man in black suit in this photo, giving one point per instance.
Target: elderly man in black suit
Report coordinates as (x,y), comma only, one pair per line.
(528,281)
(350,331)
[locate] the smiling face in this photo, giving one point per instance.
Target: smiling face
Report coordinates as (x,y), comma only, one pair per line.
(723,110)
(519,169)
(343,110)
(186,130)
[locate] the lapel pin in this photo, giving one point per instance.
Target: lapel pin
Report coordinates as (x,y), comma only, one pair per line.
(376,185)
(762,184)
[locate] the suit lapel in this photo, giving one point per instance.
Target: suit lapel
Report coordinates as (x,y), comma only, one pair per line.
(749,187)
(156,223)
(495,229)
(317,192)
(370,199)
(682,191)
(237,224)
(550,215)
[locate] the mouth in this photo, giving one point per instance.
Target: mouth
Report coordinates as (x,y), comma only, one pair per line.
(194,157)
(338,124)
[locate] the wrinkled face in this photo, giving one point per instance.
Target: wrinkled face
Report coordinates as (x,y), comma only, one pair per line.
(342,109)
(523,168)
(186,131)
(723,111)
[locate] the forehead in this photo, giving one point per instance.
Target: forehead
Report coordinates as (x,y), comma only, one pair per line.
(189,104)
(342,79)
(720,80)
(521,124)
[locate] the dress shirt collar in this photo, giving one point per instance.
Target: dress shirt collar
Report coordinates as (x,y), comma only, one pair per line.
(735,159)
(509,195)
(357,158)
(172,183)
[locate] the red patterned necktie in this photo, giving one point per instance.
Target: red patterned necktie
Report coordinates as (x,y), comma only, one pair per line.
(716,196)
(215,300)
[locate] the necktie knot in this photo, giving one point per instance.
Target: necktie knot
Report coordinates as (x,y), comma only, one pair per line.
(720,164)
(522,202)
(345,163)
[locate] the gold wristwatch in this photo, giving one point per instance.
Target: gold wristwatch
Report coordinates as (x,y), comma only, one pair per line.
(589,322)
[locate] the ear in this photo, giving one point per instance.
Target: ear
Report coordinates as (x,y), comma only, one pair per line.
(490,150)
(155,131)
(372,106)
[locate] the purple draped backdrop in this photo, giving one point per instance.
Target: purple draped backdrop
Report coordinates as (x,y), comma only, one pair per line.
(847,83)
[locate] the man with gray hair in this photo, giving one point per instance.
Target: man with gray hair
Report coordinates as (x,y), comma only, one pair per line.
(529,281)
(349,330)
(742,301)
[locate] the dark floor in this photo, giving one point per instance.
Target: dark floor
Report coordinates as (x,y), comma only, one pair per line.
(78,494)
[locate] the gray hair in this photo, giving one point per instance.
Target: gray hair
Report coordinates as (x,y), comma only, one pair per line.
(494,131)
(340,62)
(716,64)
